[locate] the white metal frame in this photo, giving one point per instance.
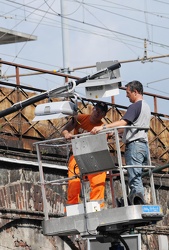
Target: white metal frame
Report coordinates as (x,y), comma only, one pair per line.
(68,144)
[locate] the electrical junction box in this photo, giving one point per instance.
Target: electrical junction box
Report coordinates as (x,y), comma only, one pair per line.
(92,206)
(105,85)
(100,88)
(92,153)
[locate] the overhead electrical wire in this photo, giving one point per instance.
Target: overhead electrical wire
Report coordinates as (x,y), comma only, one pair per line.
(146,20)
(160,1)
(74,28)
(127,17)
(26,42)
(95,7)
(57,13)
(95,26)
(135,9)
(107,28)
(69,13)
(101,35)
(120,40)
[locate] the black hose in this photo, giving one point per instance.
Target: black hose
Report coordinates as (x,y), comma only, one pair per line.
(98,74)
(155,170)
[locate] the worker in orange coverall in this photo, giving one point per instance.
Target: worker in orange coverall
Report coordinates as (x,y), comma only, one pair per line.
(80,124)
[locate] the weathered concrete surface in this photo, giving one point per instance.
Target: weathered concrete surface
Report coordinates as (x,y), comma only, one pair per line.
(21,208)
(28,237)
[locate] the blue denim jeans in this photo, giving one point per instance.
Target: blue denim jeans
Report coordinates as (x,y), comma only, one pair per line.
(136,153)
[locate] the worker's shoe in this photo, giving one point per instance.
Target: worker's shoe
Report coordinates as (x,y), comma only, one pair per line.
(120,202)
(136,199)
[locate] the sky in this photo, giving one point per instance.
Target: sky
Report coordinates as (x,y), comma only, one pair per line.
(96,31)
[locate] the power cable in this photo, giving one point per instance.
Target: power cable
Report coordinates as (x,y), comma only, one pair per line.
(160,1)
(128,17)
(106,28)
(102,35)
(66,14)
(116,32)
(111,38)
(121,39)
(14,6)
(157,81)
(146,20)
(96,7)
(95,26)
(135,9)
(26,42)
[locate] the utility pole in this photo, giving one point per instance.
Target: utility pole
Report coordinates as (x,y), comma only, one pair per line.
(65,38)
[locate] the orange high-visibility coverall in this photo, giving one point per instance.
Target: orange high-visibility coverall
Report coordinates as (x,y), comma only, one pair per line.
(97,180)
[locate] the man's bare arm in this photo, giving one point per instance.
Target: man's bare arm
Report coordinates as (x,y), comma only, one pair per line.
(119,123)
(68,128)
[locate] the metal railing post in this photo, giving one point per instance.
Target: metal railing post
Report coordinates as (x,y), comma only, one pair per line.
(42,181)
(120,167)
(152,181)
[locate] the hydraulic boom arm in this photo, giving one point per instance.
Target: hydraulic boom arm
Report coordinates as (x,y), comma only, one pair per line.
(56,92)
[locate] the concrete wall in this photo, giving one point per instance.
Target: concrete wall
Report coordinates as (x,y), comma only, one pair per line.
(21,209)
